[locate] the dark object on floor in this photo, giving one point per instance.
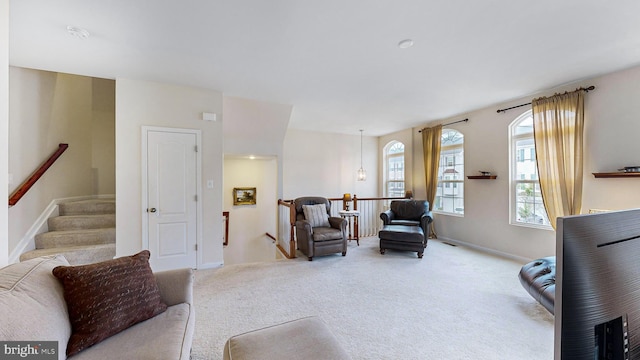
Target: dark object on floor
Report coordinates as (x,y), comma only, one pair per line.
(409,213)
(539,279)
(319,233)
(402,237)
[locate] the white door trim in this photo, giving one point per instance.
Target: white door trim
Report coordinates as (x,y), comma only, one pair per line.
(144,188)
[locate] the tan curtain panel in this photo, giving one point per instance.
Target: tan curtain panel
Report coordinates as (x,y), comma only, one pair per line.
(431,141)
(558,127)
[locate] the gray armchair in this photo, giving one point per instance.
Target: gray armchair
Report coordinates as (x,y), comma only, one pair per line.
(319,240)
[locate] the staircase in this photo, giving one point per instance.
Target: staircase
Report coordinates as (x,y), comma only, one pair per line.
(84,232)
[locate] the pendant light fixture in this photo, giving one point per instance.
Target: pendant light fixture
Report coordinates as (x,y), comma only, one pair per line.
(362,174)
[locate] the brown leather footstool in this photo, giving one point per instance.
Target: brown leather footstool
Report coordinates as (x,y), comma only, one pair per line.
(402,237)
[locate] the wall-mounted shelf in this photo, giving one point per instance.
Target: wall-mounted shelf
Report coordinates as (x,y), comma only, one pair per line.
(485,177)
(616,174)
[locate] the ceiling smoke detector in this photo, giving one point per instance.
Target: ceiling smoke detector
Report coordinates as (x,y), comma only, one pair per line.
(405,44)
(78,32)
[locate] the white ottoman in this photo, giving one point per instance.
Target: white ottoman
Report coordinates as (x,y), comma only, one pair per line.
(307,338)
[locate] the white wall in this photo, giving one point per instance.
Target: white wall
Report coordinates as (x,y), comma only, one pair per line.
(255,128)
(141,103)
(4,129)
(248,224)
(326,164)
(610,143)
(611,140)
(103,137)
(47,109)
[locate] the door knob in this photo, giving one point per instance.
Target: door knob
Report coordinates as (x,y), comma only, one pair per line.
(152,210)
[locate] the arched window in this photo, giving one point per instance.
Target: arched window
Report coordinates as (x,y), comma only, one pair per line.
(394,169)
(450,192)
(526,207)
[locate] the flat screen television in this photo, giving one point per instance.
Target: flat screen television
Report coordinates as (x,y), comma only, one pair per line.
(597,300)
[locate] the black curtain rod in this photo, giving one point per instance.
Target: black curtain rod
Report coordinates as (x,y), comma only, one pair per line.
(521,105)
(454,122)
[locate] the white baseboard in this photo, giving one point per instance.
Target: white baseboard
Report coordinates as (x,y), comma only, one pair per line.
(211,265)
(521,259)
(40,225)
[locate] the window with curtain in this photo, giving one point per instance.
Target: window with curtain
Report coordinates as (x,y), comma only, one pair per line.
(394,169)
(450,192)
(526,207)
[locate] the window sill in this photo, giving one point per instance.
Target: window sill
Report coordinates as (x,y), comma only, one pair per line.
(531,226)
(447,213)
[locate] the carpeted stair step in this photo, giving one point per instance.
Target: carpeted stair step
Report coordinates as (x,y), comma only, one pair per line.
(76,255)
(67,238)
(78,222)
(87,207)
(84,232)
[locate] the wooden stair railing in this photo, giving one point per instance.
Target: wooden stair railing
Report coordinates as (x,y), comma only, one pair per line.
(289,216)
(273,238)
(225,215)
(25,186)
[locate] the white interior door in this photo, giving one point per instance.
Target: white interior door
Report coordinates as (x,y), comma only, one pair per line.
(172,199)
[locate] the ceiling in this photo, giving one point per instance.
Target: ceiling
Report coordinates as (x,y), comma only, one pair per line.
(337,62)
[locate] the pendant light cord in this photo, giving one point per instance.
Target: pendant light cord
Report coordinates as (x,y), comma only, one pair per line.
(361,148)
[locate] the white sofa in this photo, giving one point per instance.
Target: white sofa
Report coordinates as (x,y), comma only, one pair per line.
(33,308)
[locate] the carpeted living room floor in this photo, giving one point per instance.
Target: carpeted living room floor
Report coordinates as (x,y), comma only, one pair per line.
(455,303)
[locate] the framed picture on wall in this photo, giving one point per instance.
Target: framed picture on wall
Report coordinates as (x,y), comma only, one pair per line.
(244,196)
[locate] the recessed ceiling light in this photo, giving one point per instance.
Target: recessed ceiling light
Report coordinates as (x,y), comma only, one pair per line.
(78,32)
(405,44)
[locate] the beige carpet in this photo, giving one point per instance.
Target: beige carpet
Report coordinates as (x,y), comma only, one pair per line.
(455,303)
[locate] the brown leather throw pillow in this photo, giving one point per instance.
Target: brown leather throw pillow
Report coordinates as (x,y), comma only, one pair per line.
(107,297)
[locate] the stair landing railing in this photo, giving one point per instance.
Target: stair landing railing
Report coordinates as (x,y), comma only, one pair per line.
(369,222)
(27,184)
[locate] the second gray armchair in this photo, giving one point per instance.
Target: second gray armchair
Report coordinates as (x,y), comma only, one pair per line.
(409,213)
